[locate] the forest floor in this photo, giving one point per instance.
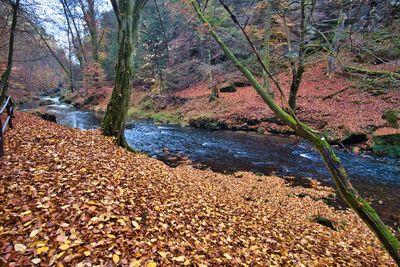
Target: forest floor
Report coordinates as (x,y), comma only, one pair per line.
(71,197)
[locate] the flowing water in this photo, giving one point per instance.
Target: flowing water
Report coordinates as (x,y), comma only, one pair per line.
(227,151)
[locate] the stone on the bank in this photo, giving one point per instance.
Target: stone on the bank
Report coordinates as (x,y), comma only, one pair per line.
(386,142)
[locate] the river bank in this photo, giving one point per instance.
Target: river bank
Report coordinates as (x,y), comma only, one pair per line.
(348,112)
(66,201)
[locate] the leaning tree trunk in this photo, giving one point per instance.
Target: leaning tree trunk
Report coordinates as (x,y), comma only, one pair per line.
(6,75)
(129,20)
(332,162)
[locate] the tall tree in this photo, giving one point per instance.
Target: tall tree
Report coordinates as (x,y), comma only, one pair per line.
(297,67)
(129,15)
(332,162)
(73,29)
(90,17)
(6,75)
(267,39)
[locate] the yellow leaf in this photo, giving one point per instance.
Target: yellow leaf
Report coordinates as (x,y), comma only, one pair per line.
(179,259)
(20,247)
(27,223)
(151,264)
(111,236)
(64,247)
(87,253)
(36,261)
(40,243)
(229,257)
(162,254)
(33,233)
(41,250)
(26,213)
(59,255)
(121,222)
(135,263)
(115,258)
(135,225)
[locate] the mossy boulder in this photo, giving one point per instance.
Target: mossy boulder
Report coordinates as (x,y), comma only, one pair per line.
(208,123)
(45,116)
(91,100)
(392,116)
(227,88)
(386,142)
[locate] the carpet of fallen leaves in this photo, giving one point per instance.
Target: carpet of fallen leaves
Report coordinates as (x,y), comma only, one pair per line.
(73,198)
(325,103)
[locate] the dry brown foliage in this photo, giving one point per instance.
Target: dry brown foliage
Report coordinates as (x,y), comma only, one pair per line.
(73,198)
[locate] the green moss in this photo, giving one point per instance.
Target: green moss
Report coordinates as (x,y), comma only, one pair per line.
(391,116)
(204,122)
(387,145)
(377,86)
(147,103)
(165,117)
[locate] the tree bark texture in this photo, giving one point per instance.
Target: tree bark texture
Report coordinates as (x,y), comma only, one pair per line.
(129,14)
(6,75)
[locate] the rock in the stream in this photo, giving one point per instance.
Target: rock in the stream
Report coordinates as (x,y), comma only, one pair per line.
(354,138)
(49,117)
(386,142)
(46,116)
(207,123)
(46,102)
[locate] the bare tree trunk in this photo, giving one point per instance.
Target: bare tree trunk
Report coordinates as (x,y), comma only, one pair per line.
(129,14)
(78,47)
(210,76)
(163,30)
(89,16)
(71,43)
(331,68)
(6,75)
(267,38)
(70,65)
(332,162)
(298,69)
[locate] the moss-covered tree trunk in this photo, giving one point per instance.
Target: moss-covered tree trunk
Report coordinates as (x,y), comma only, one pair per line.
(6,75)
(129,15)
(332,162)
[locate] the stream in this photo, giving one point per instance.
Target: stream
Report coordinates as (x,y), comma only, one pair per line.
(228,151)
